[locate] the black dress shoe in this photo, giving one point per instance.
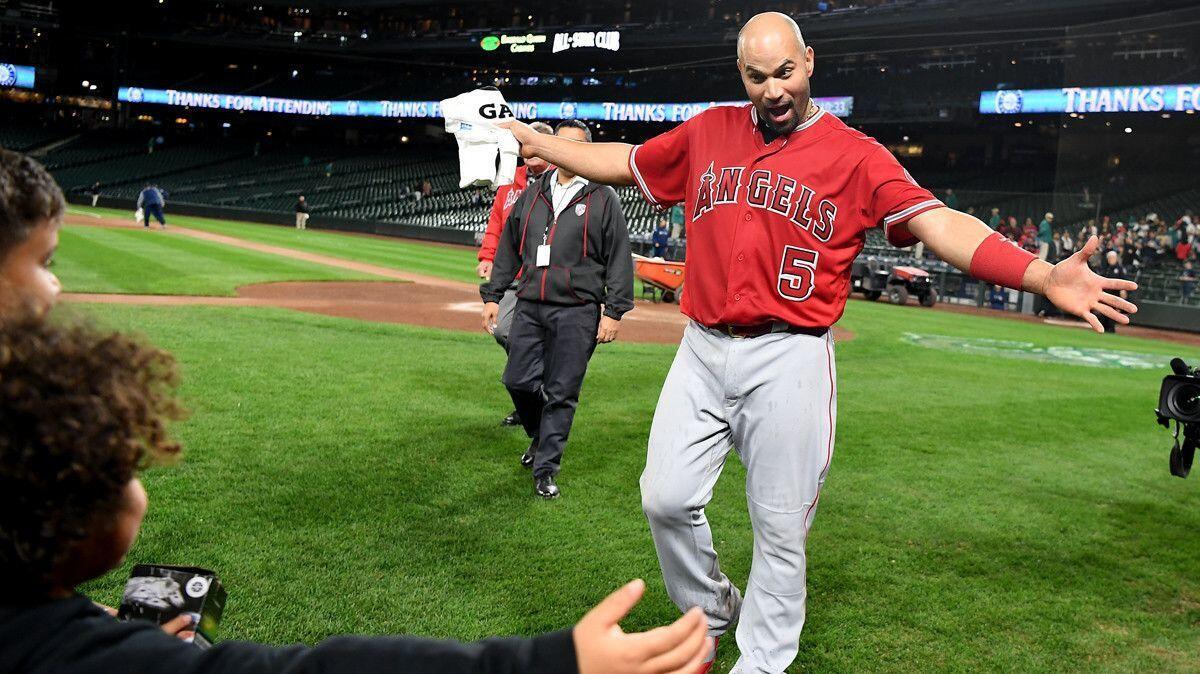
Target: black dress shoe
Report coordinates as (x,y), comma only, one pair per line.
(544,486)
(513,419)
(528,456)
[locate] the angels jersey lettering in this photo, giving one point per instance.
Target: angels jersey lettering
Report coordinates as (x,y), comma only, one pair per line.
(772,228)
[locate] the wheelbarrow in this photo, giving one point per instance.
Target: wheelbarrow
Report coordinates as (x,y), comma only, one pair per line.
(661,275)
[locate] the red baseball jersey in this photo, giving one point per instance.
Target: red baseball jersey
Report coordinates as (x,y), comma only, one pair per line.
(772,228)
(506,196)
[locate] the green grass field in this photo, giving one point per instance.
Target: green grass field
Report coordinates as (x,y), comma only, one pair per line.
(449,262)
(135,261)
(981,514)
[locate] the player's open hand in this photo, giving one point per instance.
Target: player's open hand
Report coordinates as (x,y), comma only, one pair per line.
(491,311)
(1076,289)
(601,647)
(484,269)
(607,331)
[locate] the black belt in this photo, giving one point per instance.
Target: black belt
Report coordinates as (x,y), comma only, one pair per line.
(773,327)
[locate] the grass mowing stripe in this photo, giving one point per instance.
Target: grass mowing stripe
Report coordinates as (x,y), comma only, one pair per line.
(149,262)
(450,262)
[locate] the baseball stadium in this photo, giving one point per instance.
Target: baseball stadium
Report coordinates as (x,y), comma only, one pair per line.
(438,323)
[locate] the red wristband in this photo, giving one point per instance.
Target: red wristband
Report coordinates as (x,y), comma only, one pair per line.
(999,260)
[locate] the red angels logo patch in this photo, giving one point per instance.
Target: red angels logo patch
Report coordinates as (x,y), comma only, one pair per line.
(769,191)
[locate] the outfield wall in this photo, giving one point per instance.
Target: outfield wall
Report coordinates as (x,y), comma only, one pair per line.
(1166,316)
(317,221)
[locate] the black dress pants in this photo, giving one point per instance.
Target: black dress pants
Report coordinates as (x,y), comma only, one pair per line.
(548,352)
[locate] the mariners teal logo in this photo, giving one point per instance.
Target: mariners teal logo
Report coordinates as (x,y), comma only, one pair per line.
(1065,355)
(135,95)
(1009,102)
(8,74)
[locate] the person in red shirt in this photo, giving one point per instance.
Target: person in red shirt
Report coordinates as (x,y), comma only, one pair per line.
(778,196)
(506,196)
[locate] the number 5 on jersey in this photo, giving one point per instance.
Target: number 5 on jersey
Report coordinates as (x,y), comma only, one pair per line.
(796,273)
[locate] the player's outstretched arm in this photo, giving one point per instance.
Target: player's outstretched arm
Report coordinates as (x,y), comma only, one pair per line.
(1071,285)
(606,163)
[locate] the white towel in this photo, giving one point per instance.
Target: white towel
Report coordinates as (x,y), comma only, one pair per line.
(472,118)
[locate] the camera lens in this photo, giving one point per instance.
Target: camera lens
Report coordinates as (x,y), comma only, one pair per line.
(1185,402)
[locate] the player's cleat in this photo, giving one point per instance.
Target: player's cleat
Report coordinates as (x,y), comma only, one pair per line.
(545,487)
(512,419)
(707,665)
(528,456)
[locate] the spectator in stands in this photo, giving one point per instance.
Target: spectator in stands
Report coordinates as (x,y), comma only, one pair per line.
(1008,228)
(329,170)
(1165,248)
(994,221)
(92,409)
(31,209)
(95,192)
(1068,245)
(1088,231)
(152,202)
(1029,236)
(1183,250)
(660,238)
(426,188)
(1057,252)
(301,212)
(998,298)
(1045,235)
(1187,280)
(1112,268)
(951,199)
(678,230)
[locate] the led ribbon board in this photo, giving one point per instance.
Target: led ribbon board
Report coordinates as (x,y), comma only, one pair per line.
(12,75)
(606,111)
(1140,98)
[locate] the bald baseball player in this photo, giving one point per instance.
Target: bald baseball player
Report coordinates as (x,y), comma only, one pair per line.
(778,196)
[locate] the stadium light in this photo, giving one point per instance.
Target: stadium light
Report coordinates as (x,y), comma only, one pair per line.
(92,87)
(1128,130)
(403,139)
(85,83)
(225,125)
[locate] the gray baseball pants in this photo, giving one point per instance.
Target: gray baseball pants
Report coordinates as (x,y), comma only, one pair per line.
(774,399)
(504,319)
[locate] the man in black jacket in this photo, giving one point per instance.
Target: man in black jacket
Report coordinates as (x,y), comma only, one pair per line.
(81,411)
(568,239)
